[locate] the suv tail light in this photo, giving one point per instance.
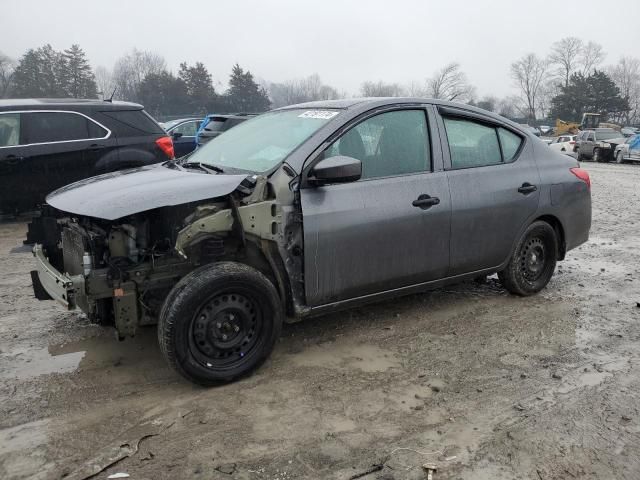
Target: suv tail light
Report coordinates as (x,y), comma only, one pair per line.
(572,142)
(166,145)
(582,175)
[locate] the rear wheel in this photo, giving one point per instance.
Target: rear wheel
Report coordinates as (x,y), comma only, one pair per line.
(533,262)
(219,323)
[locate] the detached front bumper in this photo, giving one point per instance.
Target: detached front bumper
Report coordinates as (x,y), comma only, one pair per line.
(50,284)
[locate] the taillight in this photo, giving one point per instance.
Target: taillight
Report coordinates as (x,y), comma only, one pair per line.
(166,145)
(582,175)
(572,142)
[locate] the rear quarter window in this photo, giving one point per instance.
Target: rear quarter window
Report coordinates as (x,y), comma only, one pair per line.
(510,143)
(130,123)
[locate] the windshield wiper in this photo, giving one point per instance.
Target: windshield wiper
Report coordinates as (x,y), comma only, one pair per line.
(207,168)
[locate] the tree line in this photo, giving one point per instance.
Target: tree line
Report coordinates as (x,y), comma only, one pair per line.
(567,82)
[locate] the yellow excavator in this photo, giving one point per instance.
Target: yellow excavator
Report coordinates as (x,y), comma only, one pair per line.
(589,121)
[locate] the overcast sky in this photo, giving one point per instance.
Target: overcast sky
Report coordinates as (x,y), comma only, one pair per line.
(346,42)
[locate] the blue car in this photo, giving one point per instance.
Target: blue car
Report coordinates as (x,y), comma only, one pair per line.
(183,132)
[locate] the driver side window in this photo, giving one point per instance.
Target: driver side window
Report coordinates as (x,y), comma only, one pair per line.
(388,144)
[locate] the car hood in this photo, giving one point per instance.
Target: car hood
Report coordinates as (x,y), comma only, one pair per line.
(125,192)
(614,141)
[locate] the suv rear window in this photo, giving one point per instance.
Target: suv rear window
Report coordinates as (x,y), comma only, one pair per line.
(129,123)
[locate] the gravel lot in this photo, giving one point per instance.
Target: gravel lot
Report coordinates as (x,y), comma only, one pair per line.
(481,383)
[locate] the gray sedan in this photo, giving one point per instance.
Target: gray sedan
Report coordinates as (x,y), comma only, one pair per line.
(306,210)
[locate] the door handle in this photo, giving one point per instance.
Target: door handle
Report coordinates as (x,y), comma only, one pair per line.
(95,146)
(12,159)
(527,188)
(425,201)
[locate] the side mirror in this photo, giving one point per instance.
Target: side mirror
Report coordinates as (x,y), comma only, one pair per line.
(338,169)
(176,135)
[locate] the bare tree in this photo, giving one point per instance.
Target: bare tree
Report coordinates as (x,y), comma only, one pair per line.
(300,90)
(565,54)
(416,89)
(529,74)
(626,75)
(450,83)
(129,72)
(7,67)
(381,89)
(591,56)
(104,81)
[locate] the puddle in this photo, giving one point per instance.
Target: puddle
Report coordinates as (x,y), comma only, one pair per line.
(368,358)
(26,363)
(100,352)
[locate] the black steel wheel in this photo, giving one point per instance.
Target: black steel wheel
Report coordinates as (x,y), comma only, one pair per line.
(219,323)
(533,262)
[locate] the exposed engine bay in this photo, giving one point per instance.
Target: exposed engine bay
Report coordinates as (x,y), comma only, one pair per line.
(119,272)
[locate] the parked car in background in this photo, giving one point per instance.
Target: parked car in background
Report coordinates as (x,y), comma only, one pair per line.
(629,151)
(214,125)
(183,133)
(46,144)
(597,144)
(564,144)
(306,210)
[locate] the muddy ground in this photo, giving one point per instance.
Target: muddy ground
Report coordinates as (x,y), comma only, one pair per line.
(483,384)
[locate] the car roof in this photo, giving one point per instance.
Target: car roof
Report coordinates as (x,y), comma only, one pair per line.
(65,104)
(367,103)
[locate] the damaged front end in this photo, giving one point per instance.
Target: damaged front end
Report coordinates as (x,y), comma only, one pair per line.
(119,272)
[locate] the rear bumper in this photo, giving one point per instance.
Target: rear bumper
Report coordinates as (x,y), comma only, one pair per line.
(46,279)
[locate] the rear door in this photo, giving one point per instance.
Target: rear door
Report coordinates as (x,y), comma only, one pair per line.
(61,149)
(367,236)
(494,184)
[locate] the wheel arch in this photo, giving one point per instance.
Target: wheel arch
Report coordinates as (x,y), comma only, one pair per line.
(560,232)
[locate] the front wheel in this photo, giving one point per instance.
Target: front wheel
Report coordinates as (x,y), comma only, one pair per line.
(597,155)
(619,157)
(219,323)
(533,262)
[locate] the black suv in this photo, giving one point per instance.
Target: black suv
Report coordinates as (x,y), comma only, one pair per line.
(46,144)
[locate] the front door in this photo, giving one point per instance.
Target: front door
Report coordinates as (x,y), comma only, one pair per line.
(495,188)
(382,231)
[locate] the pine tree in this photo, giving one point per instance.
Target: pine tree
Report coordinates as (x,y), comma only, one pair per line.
(26,78)
(79,80)
(197,80)
(244,94)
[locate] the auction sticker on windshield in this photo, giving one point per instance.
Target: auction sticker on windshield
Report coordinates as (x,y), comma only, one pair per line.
(322,114)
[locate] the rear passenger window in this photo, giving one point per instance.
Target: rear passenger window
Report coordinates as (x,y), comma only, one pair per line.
(510,143)
(389,144)
(45,127)
(9,129)
(472,144)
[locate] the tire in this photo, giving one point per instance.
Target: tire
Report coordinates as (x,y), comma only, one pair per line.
(619,157)
(579,157)
(597,155)
(219,323)
(533,262)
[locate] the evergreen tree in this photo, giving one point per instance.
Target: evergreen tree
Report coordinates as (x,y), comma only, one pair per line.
(78,78)
(244,94)
(596,93)
(164,94)
(199,87)
(26,77)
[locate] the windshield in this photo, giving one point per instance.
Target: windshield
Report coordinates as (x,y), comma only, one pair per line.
(261,143)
